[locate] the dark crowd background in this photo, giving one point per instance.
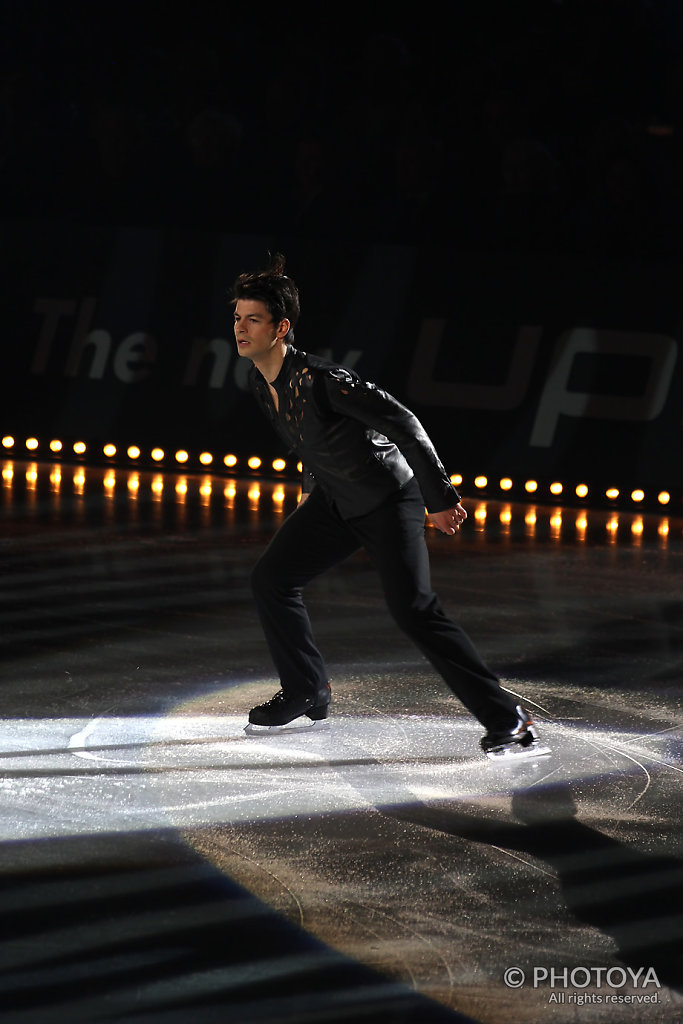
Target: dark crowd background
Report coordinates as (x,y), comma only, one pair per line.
(550,126)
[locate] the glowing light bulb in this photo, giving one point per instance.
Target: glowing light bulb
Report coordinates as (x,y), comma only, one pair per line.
(531,486)
(637,495)
(181,455)
(612,493)
(254,462)
(663,497)
(556,488)
(506,483)
(279,465)
(109,450)
(157,454)
(55,446)
(456,479)
(581,490)
(31,443)
(80,447)
(480,481)
(206,458)
(133,452)
(8,441)
(230,461)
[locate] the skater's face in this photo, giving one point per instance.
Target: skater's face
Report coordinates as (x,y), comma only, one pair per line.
(256,333)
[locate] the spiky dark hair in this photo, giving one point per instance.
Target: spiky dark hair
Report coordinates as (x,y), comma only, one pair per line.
(274,289)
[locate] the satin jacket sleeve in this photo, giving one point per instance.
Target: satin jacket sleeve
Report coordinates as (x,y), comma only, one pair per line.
(348,395)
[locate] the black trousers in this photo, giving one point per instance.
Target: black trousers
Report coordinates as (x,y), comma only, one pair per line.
(313,539)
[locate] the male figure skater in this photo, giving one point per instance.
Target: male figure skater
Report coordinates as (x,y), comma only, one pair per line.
(369,471)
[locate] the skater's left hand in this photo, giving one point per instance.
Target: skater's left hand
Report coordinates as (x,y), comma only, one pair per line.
(450,520)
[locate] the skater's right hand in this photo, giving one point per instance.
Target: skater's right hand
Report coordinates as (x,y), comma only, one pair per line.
(450,520)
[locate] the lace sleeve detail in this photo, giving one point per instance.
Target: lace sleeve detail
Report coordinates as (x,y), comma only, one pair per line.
(293,399)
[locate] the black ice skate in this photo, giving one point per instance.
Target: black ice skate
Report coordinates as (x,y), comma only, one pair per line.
(283,712)
(520,741)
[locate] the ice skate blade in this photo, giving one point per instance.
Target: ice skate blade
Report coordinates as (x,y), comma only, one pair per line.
(519,753)
(302,724)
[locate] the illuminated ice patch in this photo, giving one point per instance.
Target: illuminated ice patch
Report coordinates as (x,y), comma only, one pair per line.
(63,777)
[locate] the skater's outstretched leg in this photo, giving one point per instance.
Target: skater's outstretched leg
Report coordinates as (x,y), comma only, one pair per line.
(394,538)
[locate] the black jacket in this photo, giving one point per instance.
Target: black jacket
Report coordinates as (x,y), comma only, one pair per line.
(354,440)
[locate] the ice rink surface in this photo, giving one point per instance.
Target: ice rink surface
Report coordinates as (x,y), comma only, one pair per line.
(160,865)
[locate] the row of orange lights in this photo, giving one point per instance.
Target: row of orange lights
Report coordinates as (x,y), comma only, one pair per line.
(133,452)
(254,462)
(557,489)
(133,483)
(556,520)
(159,484)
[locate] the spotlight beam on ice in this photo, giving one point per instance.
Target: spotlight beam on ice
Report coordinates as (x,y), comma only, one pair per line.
(63,777)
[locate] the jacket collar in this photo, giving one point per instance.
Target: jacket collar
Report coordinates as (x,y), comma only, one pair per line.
(286,368)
